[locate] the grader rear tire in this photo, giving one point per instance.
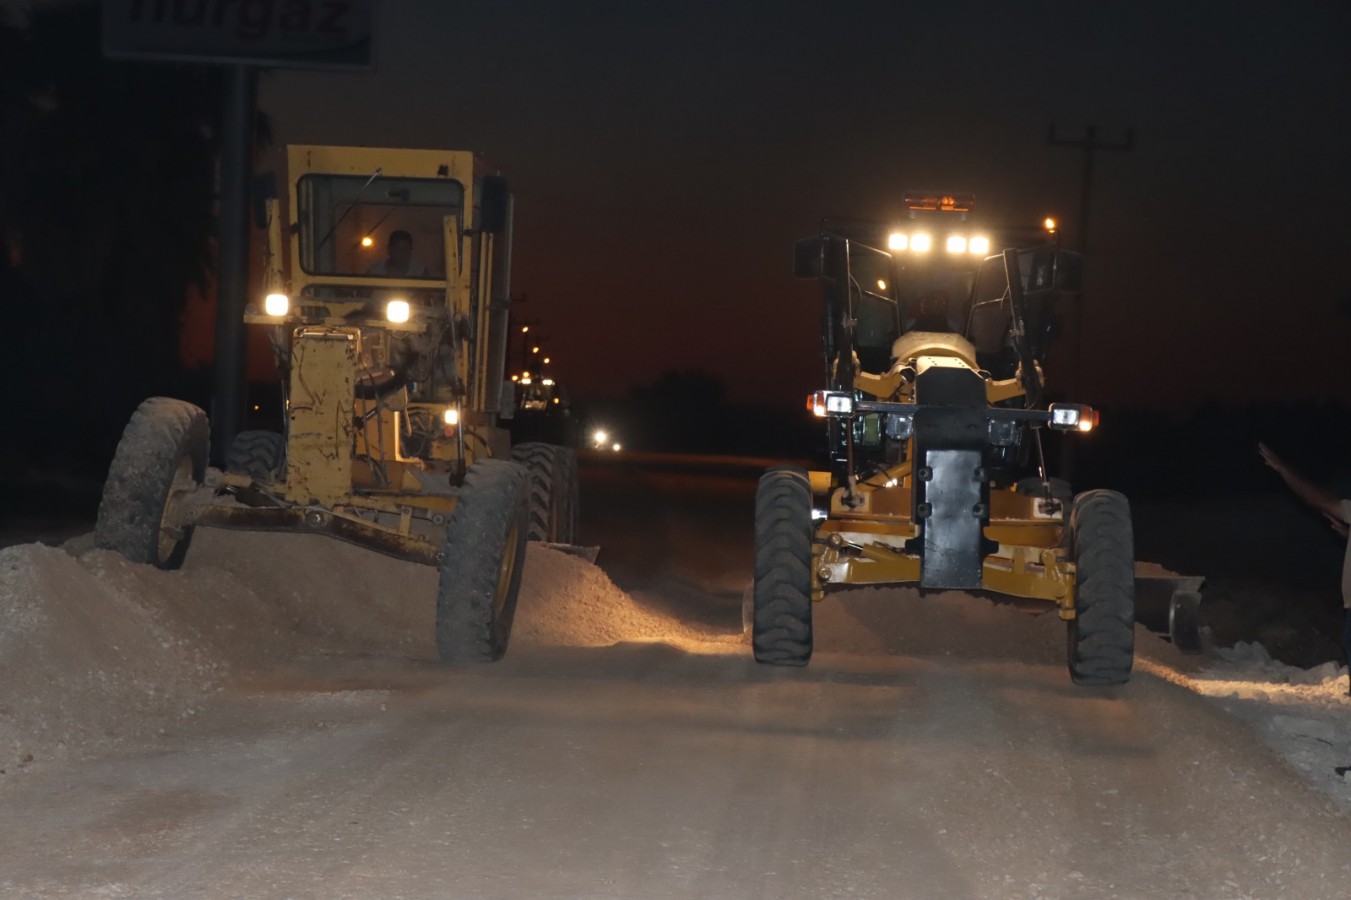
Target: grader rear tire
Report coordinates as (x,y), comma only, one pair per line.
(552,491)
(258,454)
(781,603)
(161,455)
(481,564)
(572,517)
(1100,640)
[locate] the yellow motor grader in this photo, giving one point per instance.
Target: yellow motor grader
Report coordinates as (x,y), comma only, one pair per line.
(387,277)
(936,478)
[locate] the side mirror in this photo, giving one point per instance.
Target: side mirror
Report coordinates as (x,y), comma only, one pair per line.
(1051,269)
(1069,271)
(809,255)
(494,204)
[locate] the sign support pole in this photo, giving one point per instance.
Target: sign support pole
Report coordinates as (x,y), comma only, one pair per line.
(232,258)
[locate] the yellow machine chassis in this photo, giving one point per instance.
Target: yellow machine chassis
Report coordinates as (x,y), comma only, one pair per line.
(254,507)
(863,542)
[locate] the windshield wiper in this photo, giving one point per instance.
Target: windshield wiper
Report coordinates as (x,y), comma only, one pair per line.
(350,206)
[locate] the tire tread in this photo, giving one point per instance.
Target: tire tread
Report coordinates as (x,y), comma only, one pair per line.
(160,432)
(1101,639)
(258,454)
(491,511)
(781,624)
(552,491)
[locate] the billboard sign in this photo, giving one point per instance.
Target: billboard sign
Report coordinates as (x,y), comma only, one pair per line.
(310,34)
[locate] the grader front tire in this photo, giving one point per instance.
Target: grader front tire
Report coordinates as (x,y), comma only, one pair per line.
(161,455)
(483,555)
(781,624)
(1100,644)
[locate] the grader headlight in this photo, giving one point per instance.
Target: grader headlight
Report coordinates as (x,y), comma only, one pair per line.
(1073,417)
(830,403)
(398,311)
(955,244)
(276,304)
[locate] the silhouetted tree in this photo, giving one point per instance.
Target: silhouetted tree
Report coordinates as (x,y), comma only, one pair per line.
(683,411)
(691,389)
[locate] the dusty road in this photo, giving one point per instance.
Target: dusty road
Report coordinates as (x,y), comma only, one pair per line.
(934,748)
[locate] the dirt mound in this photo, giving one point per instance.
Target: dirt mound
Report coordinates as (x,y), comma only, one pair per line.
(566,601)
(82,661)
(95,650)
(344,599)
(260,597)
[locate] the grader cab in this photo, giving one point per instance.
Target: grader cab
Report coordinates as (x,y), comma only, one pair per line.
(385,302)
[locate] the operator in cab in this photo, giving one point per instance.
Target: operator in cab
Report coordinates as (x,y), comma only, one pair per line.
(399,263)
(931,312)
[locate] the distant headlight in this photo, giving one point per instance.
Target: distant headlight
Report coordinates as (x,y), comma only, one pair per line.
(897,241)
(398,311)
(921,243)
(956,243)
(276,304)
(979,246)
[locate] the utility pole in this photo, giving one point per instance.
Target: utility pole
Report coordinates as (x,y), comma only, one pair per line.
(232,266)
(1090,145)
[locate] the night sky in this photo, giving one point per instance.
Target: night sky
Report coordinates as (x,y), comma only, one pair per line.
(665,157)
